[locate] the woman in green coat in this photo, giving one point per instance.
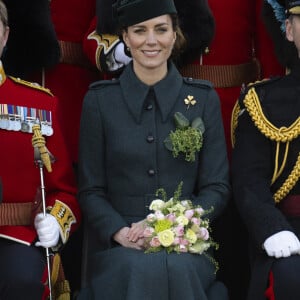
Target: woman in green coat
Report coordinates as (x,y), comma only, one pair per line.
(124,159)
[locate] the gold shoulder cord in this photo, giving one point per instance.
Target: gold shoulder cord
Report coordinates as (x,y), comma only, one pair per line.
(279,135)
(234,121)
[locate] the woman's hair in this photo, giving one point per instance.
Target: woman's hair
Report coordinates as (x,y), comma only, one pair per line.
(180,42)
(3,14)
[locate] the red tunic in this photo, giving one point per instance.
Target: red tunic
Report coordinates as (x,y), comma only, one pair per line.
(240,36)
(69,80)
(19,174)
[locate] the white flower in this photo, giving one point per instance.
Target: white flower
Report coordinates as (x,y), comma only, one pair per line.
(157,204)
(159,215)
(151,218)
(182,220)
(199,247)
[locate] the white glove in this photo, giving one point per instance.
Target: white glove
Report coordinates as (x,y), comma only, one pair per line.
(282,244)
(120,55)
(47,229)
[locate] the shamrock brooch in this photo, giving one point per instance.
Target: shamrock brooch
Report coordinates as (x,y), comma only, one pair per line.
(190,100)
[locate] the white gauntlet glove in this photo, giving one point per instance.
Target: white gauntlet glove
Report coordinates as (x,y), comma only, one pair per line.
(47,229)
(120,55)
(282,244)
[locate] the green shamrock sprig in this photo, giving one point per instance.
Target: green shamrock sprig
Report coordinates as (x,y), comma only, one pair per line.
(187,138)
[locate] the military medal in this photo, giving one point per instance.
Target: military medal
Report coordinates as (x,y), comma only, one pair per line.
(21,118)
(24,124)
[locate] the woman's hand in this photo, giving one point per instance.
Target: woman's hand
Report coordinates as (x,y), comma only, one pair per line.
(121,237)
(136,231)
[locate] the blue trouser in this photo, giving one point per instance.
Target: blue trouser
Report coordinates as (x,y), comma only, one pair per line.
(21,271)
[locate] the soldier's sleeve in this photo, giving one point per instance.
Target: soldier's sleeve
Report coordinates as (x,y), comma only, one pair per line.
(61,187)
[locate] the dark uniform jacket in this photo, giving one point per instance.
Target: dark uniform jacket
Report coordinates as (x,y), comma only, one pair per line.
(123,159)
(268,116)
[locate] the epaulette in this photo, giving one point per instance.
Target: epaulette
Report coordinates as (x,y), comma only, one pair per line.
(102,83)
(33,85)
(263,81)
(201,82)
(239,106)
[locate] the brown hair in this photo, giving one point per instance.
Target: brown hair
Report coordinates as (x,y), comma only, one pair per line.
(180,42)
(3,14)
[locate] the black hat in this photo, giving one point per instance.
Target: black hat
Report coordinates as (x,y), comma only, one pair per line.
(195,18)
(130,12)
(32,43)
(274,14)
(293,7)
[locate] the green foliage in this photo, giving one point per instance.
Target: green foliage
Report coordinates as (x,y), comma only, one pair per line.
(186,139)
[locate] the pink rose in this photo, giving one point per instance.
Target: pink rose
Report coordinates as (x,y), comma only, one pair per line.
(176,241)
(184,242)
(189,213)
(203,233)
(155,242)
(196,221)
(179,230)
(171,217)
(182,248)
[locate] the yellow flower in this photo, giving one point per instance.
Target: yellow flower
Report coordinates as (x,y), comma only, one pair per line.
(182,220)
(162,225)
(191,236)
(166,237)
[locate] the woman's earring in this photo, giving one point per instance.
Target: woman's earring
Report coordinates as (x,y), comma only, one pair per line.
(127,49)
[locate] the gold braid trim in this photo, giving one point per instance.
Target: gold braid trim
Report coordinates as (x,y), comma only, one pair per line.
(289,183)
(32,85)
(282,134)
(39,144)
(279,135)
(60,285)
(234,121)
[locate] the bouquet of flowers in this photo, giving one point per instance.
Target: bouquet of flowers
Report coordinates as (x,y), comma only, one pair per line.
(176,225)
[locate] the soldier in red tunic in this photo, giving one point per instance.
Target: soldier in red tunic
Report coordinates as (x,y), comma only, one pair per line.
(24,230)
(54,57)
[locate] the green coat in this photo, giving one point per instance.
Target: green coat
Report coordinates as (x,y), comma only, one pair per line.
(123,161)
